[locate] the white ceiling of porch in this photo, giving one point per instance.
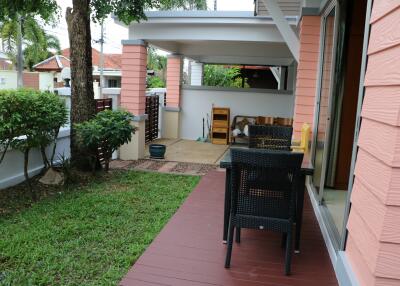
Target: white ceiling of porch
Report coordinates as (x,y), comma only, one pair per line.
(216,37)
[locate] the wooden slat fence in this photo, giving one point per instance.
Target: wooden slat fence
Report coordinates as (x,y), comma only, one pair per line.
(102,104)
(152,106)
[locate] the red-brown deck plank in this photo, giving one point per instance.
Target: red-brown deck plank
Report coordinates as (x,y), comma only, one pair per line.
(189,250)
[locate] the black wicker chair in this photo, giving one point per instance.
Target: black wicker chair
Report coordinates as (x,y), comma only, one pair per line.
(263,188)
(270,137)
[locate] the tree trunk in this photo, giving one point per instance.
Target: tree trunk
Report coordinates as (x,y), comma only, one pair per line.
(82,96)
(26,174)
(53,152)
(44,157)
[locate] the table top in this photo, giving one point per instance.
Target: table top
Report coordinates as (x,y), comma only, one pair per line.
(306,167)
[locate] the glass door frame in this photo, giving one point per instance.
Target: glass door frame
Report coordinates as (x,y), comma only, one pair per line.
(333,5)
(340,244)
(330,7)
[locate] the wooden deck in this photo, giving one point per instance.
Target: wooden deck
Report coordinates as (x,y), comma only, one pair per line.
(189,250)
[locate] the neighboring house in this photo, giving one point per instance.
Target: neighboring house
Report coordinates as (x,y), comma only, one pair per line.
(54,66)
(111,71)
(35,80)
(5,63)
(344,81)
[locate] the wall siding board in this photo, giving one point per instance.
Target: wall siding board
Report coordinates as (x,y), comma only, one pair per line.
(382,37)
(373,245)
(382,8)
(381,70)
(369,207)
(381,141)
(364,276)
(382,104)
(307,70)
(378,177)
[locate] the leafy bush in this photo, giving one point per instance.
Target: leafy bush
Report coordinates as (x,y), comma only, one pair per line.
(30,119)
(155,82)
(218,75)
(107,131)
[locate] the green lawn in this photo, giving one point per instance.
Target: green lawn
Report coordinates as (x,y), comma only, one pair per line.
(89,235)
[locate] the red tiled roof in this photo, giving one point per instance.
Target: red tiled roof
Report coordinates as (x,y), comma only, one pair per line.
(54,63)
(111,61)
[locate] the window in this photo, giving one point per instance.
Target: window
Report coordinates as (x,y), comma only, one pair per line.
(246,76)
(113,83)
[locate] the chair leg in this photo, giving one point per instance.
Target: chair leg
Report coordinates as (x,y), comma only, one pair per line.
(284,240)
(288,256)
(238,231)
(230,243)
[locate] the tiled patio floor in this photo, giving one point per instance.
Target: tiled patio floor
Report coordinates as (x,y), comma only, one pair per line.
(189,151)
(189,250)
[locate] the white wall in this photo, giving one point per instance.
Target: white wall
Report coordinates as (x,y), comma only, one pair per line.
(196,102)
(12,168)
(196,73)
(46,81)
(8,79)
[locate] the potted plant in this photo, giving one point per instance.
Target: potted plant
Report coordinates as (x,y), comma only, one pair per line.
(157,151)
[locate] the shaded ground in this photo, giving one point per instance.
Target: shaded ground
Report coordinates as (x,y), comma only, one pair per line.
(189,151)
(87,234)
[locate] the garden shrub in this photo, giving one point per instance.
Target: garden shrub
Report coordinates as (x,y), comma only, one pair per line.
(30,119)
(155,82)
(107,131)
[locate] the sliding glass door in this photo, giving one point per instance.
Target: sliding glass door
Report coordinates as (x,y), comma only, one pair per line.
(339,76)
(326,77)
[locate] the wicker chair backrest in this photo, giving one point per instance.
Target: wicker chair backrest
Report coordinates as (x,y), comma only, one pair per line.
(264,182)
(270,137)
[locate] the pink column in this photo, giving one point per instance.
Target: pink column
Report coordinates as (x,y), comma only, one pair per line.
(174,72)
(134,71)
(373,244)
(307,71)
(133,95)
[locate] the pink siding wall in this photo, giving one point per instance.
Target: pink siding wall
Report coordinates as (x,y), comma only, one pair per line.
(373,246)
(174,66)
(307,71)
(133,83)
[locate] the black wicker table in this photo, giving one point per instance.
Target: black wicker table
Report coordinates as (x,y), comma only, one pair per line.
(307,169)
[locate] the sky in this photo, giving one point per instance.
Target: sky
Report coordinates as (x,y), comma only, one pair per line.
(115,33)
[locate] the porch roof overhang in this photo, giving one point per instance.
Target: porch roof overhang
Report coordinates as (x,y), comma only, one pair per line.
(219,37)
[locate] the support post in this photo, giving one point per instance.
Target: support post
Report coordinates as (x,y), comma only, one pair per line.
(171,112)
(283,26)
(133,94)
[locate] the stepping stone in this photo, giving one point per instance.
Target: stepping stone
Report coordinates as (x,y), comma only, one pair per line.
(145,165)
(167,167)
(119,164)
